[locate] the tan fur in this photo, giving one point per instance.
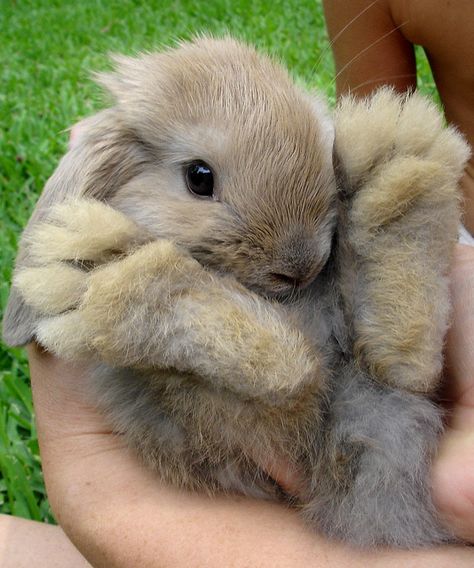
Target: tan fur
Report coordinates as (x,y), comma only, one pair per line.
(232,329)
(289,315)
(65,289)
(402,227)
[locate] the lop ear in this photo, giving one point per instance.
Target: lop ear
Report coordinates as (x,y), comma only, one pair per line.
(106,156)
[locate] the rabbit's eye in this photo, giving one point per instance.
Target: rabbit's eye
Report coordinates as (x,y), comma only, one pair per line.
(199,179)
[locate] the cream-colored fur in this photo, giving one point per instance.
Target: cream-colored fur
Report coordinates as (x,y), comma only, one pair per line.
(298,312)
(133,311)
(401,227)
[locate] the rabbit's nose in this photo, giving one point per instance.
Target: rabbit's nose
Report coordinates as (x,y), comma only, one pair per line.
(296,262)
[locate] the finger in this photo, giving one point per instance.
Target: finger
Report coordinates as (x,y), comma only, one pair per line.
(288,476)
(453,479)
(460,338)
(453,472)
(75,133)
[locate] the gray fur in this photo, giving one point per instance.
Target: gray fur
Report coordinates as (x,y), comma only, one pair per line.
(372,485)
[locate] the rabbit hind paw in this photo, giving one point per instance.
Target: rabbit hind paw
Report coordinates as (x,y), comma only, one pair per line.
(389,126)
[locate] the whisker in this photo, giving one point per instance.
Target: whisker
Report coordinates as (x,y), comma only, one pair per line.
(381,38)
(349,24)
(340,32)
(383,79)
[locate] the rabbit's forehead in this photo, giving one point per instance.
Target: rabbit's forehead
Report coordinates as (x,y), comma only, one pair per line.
(245,95)
(271,152)
(263,138)
(267,139)
(279,167)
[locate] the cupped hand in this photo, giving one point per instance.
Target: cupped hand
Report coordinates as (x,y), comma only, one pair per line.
(117,513)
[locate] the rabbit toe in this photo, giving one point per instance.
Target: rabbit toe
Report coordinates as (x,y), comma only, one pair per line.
(82,229)
(392,192)
(365,132)
(66,336)
(450,150)
(160,261)
(388,126)
(418,126)
(421,132)
(53,289)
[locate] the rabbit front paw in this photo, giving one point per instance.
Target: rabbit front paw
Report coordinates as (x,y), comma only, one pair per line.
(83,231)
(77,236)
(77,273)
(401,210)
(88,308)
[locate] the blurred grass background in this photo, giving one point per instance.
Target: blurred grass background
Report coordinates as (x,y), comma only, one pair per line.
(48,49)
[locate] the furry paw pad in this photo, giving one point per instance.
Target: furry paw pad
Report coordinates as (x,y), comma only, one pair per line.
(388,126)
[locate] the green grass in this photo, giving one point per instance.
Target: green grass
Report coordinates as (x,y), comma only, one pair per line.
(47,51)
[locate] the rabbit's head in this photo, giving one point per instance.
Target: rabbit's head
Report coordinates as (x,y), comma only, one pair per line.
(239,161)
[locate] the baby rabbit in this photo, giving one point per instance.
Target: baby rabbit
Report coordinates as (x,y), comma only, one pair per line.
(244,299)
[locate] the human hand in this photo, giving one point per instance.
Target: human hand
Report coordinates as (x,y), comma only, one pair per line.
(119,514)
(453,474)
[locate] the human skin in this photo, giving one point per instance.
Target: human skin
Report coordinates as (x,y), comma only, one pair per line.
(118,514)
(24,544)
(372,42)
(453,474)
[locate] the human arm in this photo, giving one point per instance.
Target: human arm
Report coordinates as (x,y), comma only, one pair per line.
(25,543)
(370,49)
